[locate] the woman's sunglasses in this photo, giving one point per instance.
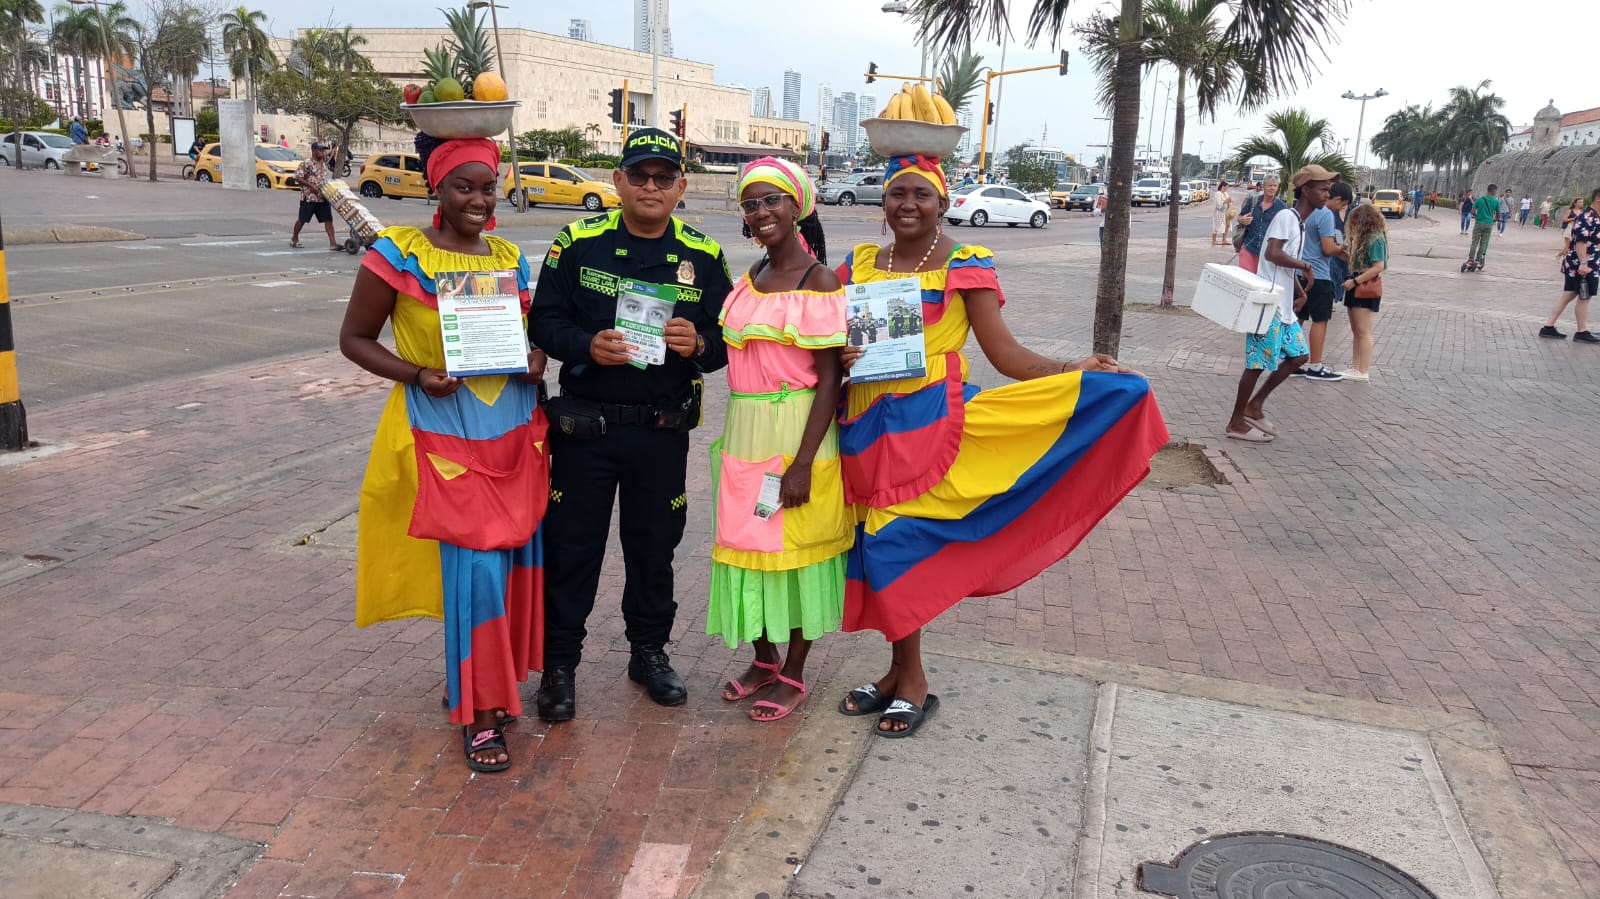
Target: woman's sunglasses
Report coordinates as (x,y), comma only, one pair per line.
(771,202)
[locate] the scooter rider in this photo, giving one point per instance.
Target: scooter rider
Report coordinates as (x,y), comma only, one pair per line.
(619,426)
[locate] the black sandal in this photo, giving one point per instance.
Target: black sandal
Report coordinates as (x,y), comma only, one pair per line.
(909,714)
(869,701)
(488,738)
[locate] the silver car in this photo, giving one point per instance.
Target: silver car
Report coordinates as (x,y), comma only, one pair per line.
(40,149)
(860,187)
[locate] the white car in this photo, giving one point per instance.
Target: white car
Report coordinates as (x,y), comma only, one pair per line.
(980,204)
(1185,192)
(1152,191)
(40,149)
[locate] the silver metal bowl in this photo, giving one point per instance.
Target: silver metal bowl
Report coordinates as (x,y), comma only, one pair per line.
(905,137)
(462,118)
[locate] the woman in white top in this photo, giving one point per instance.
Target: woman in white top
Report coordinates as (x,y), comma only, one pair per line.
(1220,201)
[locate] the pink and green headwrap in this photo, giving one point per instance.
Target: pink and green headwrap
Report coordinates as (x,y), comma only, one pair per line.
(926,166)
(785,176)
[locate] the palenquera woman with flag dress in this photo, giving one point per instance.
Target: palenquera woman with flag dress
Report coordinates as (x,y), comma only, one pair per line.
(961,492)
(458,477)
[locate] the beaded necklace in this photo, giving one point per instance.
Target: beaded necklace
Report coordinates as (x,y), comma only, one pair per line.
(937,234)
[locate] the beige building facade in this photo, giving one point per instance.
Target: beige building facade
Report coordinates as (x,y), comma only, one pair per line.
(567,83)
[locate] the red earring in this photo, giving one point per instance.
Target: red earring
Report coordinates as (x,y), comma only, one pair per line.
(490,225)
(436,223)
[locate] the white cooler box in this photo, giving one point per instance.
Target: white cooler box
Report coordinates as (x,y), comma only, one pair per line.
(1235,299)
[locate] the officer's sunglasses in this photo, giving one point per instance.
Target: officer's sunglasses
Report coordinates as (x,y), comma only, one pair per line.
(770,201)
(663,180)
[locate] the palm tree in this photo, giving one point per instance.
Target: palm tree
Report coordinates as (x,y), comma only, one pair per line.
(960,76)
(186,40)
(1294,140)
(248,46)
(342,49)
(1475,126)
(20,53)
(1187,35)
(1281,37)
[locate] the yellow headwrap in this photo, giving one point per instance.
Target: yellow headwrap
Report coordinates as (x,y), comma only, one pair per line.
(926,166)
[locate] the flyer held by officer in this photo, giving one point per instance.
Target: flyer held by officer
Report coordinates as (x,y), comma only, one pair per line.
(643,311)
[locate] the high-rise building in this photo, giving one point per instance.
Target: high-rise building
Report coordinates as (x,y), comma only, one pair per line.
(867,106)
(824,120)
(964,119)
(580,30)
(642,11)
(845,123)
(761,102)
(791,95)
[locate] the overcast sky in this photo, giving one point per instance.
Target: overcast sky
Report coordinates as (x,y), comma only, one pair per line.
(1416,51)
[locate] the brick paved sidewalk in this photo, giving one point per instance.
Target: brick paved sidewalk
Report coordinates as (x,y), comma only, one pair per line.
(168,651)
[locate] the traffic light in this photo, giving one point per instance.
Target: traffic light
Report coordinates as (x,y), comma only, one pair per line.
(679,126)
(872,72)
(988,116)
(825,141)
(1063,69)
(616,105)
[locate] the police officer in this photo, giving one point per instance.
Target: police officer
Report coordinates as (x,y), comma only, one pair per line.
(619,426)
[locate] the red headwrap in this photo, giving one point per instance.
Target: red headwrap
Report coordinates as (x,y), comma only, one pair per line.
(453,154)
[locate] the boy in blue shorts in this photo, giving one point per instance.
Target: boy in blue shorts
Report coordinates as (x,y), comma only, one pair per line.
(1282,349)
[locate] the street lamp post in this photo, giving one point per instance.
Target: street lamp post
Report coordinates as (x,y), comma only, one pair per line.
(1362,120)
(904,8)
(1150,128)
(1166,107)
(105,47)
(500,59)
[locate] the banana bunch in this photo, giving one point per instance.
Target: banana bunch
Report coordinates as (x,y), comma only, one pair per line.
(915,103)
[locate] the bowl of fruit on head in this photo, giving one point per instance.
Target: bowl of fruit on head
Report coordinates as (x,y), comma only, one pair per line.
(451,107)
(914,123)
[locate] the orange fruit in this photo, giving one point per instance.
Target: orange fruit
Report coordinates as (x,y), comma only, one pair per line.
(488,87)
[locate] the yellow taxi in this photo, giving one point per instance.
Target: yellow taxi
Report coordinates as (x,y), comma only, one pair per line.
(1060,193)
(554,184)
(392,175)
(275,166)
(1201,191)
(1390,203)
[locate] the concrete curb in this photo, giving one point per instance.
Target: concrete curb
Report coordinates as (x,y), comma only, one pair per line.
(774,837)
(67,234)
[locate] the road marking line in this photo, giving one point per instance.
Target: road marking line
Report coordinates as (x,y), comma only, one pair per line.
(274,283)
(222,243)
(133,246)
(276,252)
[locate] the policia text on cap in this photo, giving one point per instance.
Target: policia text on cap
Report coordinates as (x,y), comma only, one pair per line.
(617,426)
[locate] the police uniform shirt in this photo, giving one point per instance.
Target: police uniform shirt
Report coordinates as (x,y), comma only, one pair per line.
(576,298)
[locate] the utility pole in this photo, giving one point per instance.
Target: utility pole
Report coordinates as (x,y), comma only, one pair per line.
(655,63)
(1362,121)
(13,418)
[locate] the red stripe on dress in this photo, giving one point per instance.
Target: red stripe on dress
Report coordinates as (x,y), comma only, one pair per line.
(967,278)
(1035,540)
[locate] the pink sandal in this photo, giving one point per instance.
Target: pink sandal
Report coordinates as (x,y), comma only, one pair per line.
(783,711)
(739,689)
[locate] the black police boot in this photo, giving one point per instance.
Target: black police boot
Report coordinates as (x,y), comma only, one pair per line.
(558,694)
(649,666)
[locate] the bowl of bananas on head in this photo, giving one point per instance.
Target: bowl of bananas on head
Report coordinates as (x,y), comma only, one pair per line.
(915,122)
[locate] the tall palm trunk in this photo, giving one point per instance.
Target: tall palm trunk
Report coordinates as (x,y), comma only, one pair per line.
(17,110)
(1170,277)
(150,123)
(1110,291)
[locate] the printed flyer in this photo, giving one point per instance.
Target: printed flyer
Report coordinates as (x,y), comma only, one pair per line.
(884,318)
(642,313)
(480,317)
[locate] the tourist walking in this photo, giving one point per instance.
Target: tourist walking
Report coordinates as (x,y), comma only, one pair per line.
(1524,210)
(966,492)
(623,424)
(1466,211)
(1580,270)
(1543,218)
(778,562)
(456,482)
(1506,203)
(1221,203)
(1257,216)
(311,175)
(1367,243)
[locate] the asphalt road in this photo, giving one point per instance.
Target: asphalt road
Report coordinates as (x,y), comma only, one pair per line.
(224,288)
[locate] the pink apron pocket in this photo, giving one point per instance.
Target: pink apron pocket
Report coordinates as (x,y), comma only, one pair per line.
(738,490)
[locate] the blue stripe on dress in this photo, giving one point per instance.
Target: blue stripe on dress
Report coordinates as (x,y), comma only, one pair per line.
(390,251)
(900,545)
(463,414)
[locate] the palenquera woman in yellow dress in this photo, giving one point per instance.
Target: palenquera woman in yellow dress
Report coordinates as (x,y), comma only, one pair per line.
(961,492)
(777,572)
(458,477)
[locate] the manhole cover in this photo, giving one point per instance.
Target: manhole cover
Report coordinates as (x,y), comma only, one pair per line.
(1277,866)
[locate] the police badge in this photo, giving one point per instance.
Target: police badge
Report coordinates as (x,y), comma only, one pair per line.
(686,272)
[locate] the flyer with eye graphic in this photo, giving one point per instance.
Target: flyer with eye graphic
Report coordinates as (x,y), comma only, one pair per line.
(480,317)
(642,313)
(884,318)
